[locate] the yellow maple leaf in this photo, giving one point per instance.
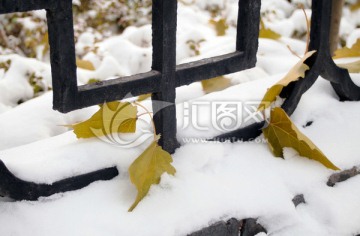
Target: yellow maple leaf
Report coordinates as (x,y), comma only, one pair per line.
(267,33)
(215,84)
(128,126)
(84,64)
(147,169)
(112,117)
(144,97)
(353,67)
(297,72)
(354,51)
(220,26)
(281,132)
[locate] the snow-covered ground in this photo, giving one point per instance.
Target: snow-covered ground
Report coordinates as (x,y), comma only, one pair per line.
(214,181)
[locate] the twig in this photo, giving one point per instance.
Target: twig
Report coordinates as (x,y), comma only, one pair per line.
(293,52)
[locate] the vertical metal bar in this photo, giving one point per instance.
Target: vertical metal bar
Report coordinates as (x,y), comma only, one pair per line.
(247,39)
(62,55)
(320,27)
(340,80)
(322,64)
(164,60)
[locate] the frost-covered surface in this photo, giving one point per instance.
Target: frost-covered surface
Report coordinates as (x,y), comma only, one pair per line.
(214,181)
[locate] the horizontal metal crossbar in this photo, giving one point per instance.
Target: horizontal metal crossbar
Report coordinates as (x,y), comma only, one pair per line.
(12,6)
(117,89)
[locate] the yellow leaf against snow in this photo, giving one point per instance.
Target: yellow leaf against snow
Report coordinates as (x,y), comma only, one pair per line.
(281,132)
(45,42)
(84,64)
(354,51)
(144,97)
(220,26)
(215,84)
(128,126)
(147,169)
(297,72)
(267,33)
(353,67)
(355,6)
(112,117)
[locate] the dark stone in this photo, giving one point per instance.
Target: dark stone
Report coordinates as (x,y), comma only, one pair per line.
(342,176)
(298,199)
(222,228)
(251,228)
(232,227)
(309,123)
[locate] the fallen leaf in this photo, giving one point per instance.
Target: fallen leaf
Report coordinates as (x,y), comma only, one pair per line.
(128,126)
(297,72)
(5,65)
(93,81)
(355,6)
(281,132)
(147,169)
(220,26)
(215,84)
(353,67)
(84,64)
(144,97)
(354,51)
(45,42)
(112,117)
(267,33)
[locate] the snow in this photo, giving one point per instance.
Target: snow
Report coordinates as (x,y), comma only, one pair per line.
(14,86)
(35,120)
(214,181)
(353,37)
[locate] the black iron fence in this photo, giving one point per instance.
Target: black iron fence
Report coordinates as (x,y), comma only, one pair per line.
(165,75)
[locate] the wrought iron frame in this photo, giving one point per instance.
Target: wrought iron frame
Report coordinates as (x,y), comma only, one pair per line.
(165,76)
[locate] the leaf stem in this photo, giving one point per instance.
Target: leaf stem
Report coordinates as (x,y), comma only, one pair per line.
(293,52)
